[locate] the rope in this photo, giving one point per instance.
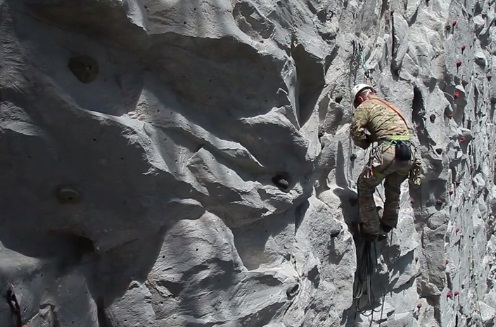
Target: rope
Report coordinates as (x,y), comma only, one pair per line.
(363,275)
(366,71)
(358,60)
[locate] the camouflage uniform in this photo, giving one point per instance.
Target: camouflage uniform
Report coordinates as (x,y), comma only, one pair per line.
(375,121)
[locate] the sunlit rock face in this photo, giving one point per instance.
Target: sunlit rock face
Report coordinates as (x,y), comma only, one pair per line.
(188,163)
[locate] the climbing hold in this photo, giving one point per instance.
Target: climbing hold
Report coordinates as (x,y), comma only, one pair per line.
(292,290)
(338,98)
(462,139)
(457,229)
(450,116)
(458,63)
(446,261)
(457,183)
(84,68)
(457,94)
(439,201)
(454,22)
(456,293)
(432,118)
(439,150)
(463,47)
(67,195)
(281,180)
(450,192)
(412,200)
(419,305)
(448,27)
(353,157)
(448,294)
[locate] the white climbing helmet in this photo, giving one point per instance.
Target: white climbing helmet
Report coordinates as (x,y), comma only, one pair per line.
(359,88)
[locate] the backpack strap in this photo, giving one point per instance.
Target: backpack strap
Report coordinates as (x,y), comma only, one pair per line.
(393,109)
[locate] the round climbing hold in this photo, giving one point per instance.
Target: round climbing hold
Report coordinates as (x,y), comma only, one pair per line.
(454,22)
(457,94)
(450,116)
(338,98)
(458,63)
(281,181)
(85,68)
(439,150)
(464,47)
(353,157)
(451,192)
(457,229)
(446,261)
(292,291)
(449,294)
(457,183)
(419,305)
(462,139)
(432,118)
(456,293)
(448,27)
(67,195)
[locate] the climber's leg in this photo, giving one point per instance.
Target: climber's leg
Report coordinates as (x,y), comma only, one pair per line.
(369,218)
(392,191)
(396,173)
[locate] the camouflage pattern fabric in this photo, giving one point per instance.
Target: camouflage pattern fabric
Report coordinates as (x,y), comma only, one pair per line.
(382,166)
(373,116)
(373,121)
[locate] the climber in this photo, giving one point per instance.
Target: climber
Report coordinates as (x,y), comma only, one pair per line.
(391,158)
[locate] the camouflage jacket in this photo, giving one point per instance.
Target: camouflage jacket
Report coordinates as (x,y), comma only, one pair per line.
(373,120)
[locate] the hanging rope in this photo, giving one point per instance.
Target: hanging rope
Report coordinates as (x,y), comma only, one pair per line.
(358,61)
(366,268)
(366,71)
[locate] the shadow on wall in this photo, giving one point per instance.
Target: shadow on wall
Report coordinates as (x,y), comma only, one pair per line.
(334,165)
(349,207)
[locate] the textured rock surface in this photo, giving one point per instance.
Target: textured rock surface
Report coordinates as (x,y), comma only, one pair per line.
(188,163)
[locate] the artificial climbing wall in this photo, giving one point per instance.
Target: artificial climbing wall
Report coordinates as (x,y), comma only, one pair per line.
(188,163)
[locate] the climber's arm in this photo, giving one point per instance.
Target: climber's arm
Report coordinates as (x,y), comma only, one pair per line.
(359,128)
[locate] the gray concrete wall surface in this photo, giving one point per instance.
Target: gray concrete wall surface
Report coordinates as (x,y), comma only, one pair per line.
(183,163)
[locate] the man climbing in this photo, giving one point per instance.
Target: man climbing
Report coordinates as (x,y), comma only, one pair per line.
(376,120)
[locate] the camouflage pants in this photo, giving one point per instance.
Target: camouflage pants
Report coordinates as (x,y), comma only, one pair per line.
(382,166)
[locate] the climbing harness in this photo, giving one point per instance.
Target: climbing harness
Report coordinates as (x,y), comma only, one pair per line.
(14,306)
